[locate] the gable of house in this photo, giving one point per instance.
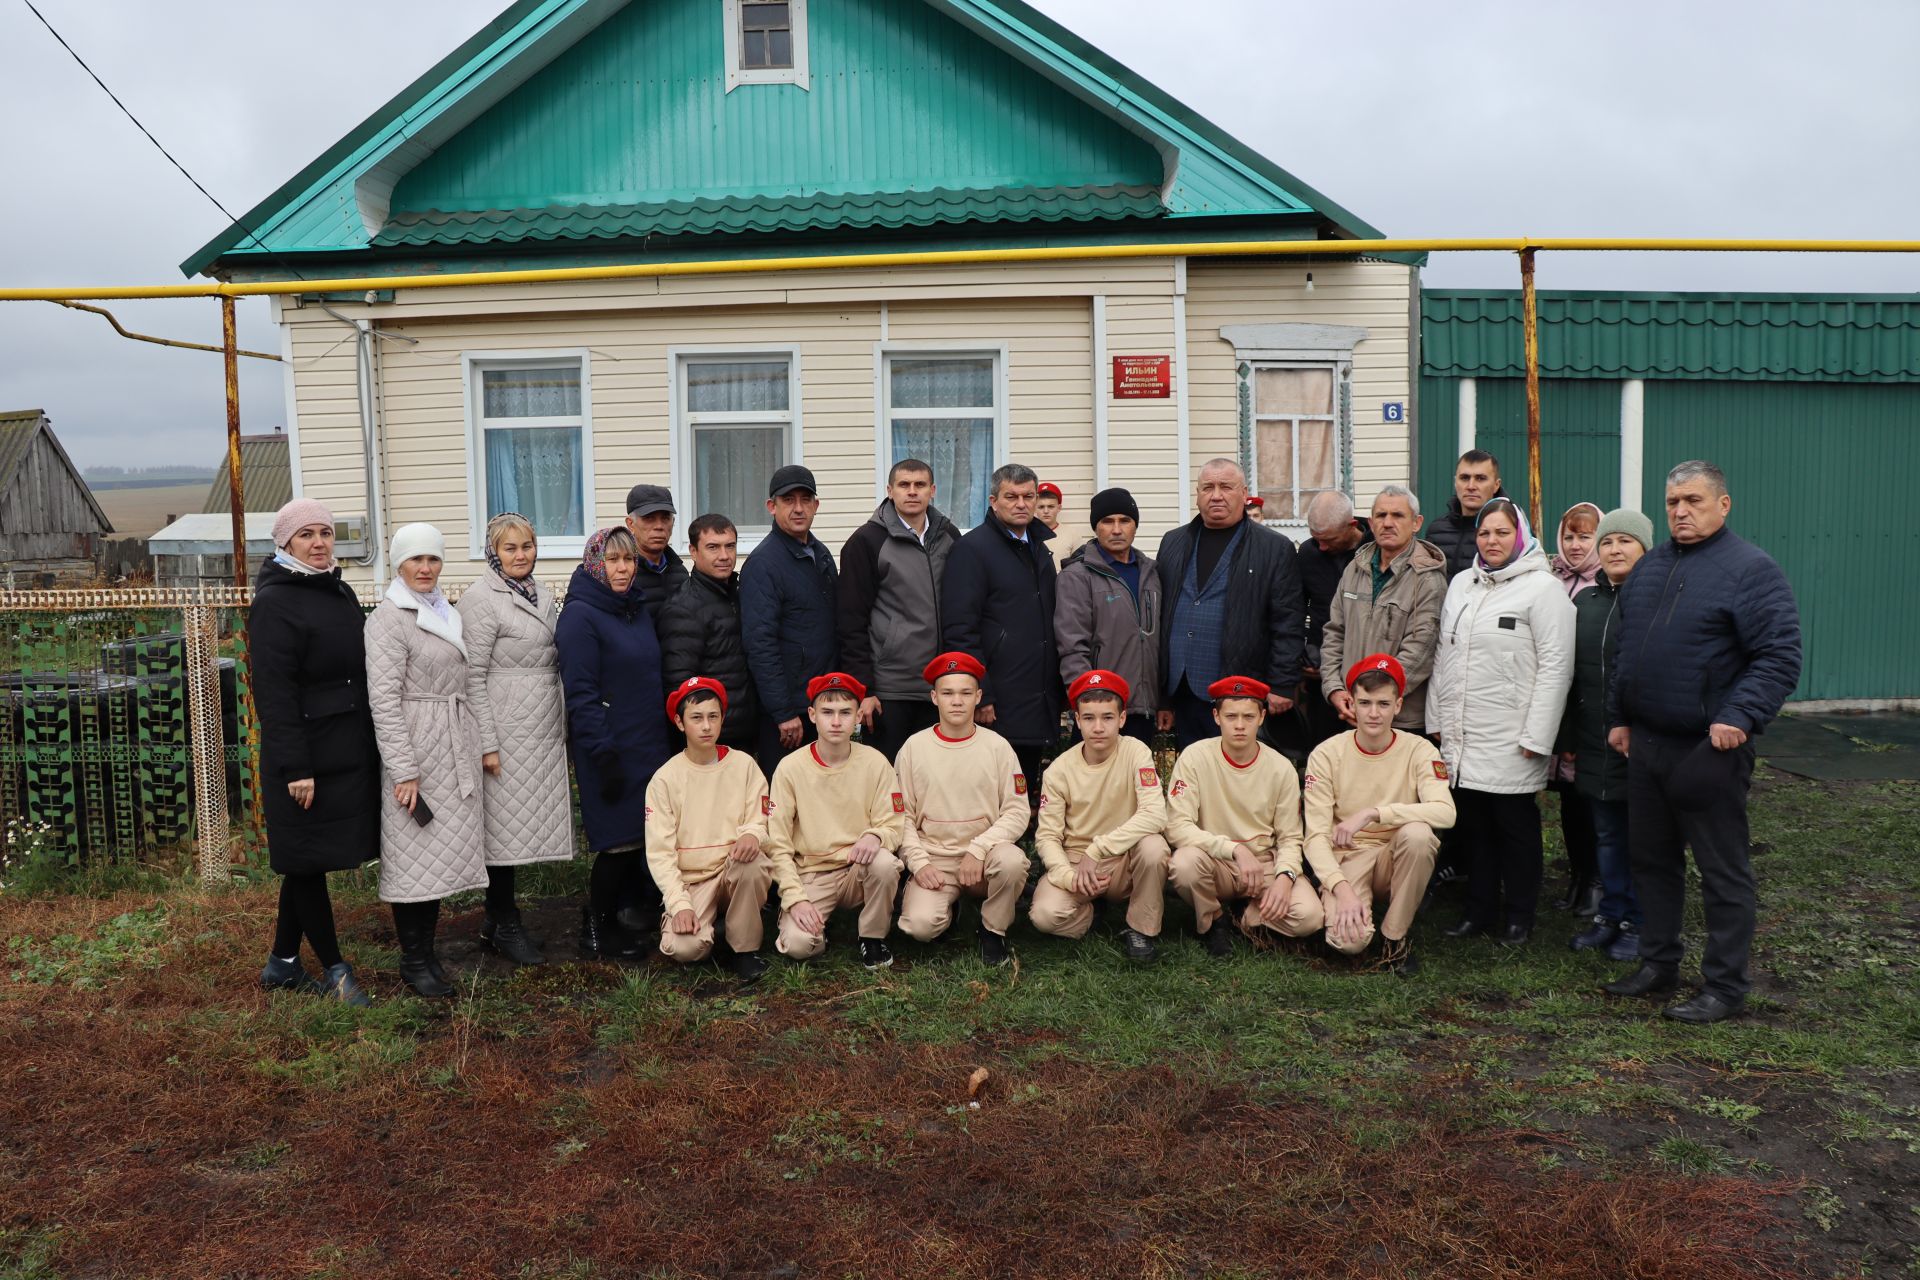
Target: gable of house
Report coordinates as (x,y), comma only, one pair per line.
(47,512)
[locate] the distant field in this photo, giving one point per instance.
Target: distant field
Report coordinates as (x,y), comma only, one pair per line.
(143,512)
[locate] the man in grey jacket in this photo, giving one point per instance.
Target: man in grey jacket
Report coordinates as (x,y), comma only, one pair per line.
(1388,601)
(889,606)
(1106,611)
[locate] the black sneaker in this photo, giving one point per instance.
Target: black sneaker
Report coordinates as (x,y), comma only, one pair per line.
(874,954)
(748,966)
(1138,946)
(1397,958)
(993,948)
(1219,939)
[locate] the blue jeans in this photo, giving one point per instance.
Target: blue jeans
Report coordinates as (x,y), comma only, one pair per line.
(1610,832)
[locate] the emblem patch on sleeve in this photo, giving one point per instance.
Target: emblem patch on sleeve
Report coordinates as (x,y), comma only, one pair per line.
(899,805)
(1440,770)
(1019,784)
(1308,784)
(1149,778)
(1179,786)
(766,805)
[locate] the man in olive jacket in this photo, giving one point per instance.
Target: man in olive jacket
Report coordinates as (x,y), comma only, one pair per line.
(1107,610)
(1388,601)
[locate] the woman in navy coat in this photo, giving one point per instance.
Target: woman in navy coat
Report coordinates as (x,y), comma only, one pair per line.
(616,732)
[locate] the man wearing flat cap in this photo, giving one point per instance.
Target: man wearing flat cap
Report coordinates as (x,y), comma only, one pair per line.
(788,591)
(650,517)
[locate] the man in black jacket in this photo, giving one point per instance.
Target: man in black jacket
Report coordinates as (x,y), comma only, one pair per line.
(1476,482)
(650,515)
(890,573)
(788,592)
(1335,535)
(1709,650)
(700,629)
(1231,605)
(997,604)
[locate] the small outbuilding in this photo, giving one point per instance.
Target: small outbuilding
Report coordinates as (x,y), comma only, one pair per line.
(51,526)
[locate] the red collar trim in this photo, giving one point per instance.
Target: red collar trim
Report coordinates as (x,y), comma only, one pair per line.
(1393,736)
(720,753)
(813,749)
(1235,763)
(944,738)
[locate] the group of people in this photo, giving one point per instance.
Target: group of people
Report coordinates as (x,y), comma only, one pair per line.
(1431,687)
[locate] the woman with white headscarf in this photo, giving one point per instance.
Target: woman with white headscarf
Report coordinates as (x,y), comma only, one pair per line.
(1500,678)
(432,819)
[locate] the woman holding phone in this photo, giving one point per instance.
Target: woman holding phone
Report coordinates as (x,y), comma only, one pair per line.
(432,819)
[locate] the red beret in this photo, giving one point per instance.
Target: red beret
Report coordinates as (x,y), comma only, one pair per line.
(1048,489)
(1255,500)
(1379,662)
(687,686)
(1098,679)
(955,663)
(835,680)
(1238,687)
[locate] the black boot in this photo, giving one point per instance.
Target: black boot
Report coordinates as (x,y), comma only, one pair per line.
(602,938)
(418,963)
(288,975)
(505,934)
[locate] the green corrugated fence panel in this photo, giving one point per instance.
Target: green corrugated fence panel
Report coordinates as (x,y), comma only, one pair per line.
(1579,442)
(1439,443)
(1822,477)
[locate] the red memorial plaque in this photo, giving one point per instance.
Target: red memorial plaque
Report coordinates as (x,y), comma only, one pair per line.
(1142,377)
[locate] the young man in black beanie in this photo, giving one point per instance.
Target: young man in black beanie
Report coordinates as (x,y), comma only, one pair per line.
(1107,610)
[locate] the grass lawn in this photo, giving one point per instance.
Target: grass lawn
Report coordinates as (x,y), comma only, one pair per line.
(1274,1115)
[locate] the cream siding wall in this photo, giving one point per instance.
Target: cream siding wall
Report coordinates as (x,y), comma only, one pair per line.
(1041,313)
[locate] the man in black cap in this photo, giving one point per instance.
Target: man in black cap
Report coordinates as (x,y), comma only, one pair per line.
(788,589)
(1107,609)
(650,516)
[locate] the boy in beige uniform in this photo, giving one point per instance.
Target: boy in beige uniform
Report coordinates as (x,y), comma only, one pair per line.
(1233,817)
(706,823)
(835,817)
(966,806)
(1375,798)
(1100,824)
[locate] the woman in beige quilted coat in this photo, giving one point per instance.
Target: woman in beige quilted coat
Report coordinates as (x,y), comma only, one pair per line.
(513,688)
(432,821)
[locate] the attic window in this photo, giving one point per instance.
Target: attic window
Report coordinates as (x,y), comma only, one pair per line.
(766,43)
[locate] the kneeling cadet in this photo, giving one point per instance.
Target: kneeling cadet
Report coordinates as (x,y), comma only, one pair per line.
(836,817)
(1233,815)
(967,807)
(706,823)
(1101,818)
(1375,798)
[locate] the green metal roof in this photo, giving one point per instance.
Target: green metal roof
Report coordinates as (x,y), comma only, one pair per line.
(266,476)
(594,119)
(1760,337)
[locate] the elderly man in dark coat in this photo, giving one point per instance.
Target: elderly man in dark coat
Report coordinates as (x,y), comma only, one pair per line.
(1231,605)
(1709,650)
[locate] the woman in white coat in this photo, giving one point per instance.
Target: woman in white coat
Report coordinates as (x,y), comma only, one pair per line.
(513,686)
(432,825)
(1500,679)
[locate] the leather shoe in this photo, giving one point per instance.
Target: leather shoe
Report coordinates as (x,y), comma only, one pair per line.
(1600,933)
(1138,946)
(1514,935)
(602,938)
(341,985)
(1625,946)
(1704,1008)
(508,936)
(1649,979)
(1466,929)
(288,975)
(1219,939)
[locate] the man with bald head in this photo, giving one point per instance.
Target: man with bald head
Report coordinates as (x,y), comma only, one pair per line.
(1231,604)
(1334,536)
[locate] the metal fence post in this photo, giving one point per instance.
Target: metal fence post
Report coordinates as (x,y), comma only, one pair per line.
(209,755)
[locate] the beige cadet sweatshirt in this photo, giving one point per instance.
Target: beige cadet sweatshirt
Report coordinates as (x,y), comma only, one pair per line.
(817,813)
(964,795)
(1408,781)
(694,814)
(1214,804)
(1097,811)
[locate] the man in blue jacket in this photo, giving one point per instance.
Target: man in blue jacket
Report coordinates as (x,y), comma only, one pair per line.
(1709,650)
(787,592)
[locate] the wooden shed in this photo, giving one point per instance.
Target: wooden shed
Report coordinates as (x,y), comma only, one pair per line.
(50,525)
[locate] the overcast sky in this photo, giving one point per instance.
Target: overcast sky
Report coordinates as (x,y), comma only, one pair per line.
(1684,117)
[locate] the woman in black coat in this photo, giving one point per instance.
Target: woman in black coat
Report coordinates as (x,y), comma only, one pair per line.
(319,769)
(617,731)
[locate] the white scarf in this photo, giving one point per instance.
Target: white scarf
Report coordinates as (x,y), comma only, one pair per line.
(431,612)
(281,557)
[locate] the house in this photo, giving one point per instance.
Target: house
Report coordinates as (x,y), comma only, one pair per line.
(1810,403)
(585,132)
(50,524)
(266,478)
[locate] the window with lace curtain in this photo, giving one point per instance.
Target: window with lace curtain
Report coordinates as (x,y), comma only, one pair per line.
(531,445)
(945,409)
(1296,451)
(739,426)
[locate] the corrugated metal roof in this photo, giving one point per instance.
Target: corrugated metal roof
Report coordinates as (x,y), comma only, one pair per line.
(18,430)
(771,213)
(1476,333)
(266,477)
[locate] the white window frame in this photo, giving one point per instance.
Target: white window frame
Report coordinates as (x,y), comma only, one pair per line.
(475,363)
(680,451)
(883,412)
(797,74)
(1341,372)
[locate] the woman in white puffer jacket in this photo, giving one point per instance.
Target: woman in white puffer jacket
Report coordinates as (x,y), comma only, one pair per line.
(1500,680)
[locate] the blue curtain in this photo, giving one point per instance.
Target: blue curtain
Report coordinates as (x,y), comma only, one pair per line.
(960,451)
(538,472)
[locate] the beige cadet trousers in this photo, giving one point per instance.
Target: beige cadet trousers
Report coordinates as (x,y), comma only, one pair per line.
(872,888)
(740,889)
(1206,882)
(925,914)
(1397,870)
(1138,877)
